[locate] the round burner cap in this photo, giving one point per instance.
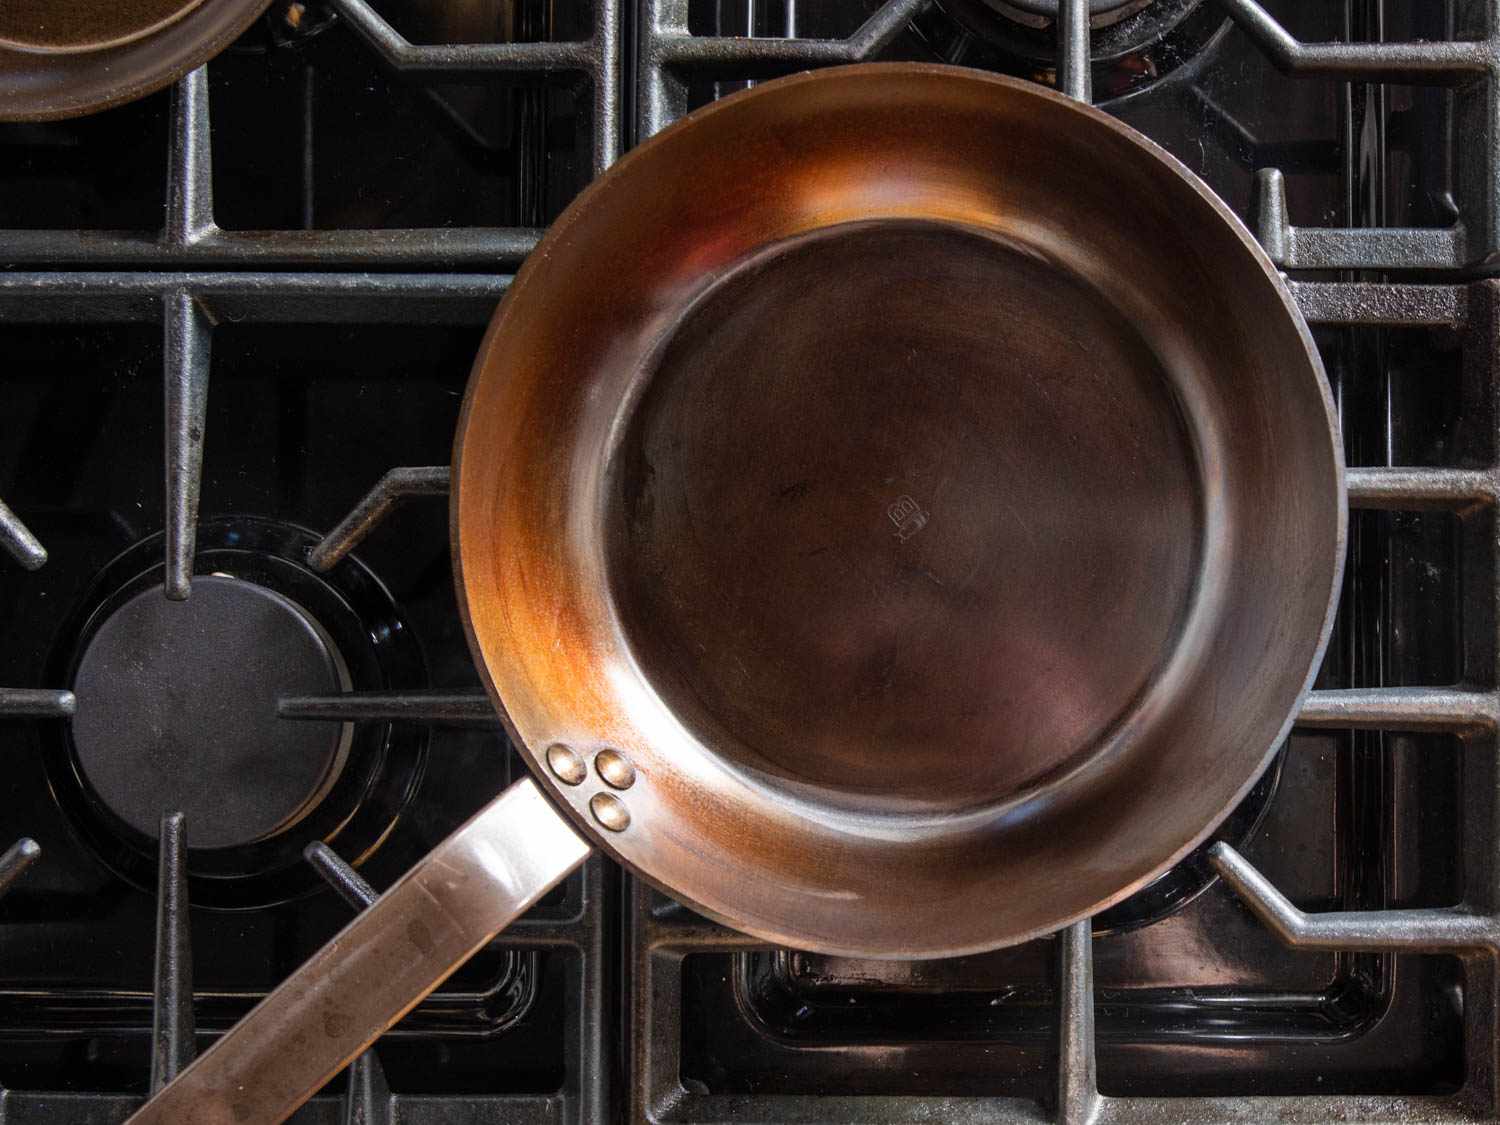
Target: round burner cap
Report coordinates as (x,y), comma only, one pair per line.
(177,712)
(73,26)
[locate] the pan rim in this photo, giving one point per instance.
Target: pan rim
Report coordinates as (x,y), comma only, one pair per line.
(120,40)
(1330,429)
(52,85)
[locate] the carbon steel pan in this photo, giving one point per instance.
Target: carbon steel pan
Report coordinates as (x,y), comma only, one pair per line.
(926,484)
(66,58)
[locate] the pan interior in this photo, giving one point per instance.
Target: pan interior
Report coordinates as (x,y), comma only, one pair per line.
(903,510)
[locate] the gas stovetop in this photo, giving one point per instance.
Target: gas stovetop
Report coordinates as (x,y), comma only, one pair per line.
(236,321)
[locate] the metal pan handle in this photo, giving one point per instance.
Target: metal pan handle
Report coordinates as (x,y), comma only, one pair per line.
(464,892)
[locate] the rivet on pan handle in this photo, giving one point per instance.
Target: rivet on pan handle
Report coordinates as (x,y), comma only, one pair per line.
(469,888)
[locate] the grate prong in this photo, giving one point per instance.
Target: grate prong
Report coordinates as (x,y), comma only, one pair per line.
(1454,710)
(396,486)
(349,883)
(1074,57)
(36,703)
(1380,304)
(376,706)
(1419,63)
(368,1101)
(450,60)
(1078,1100)
(1405,489)
(186,353)
(18,542)
(1415,931)
(172,1029)
(17,858)
(190,181)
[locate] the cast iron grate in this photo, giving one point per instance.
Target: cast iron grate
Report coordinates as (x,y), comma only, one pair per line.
(192,274)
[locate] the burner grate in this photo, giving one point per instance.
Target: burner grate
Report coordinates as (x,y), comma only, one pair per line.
(191,237)
(580,935)
(192,275)
(1467,60)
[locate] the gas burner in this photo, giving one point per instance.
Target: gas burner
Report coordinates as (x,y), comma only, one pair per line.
(1172,890)
(1134,43)
(177,712)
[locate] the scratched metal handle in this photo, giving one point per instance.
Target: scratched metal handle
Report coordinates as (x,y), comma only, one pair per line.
(469,888)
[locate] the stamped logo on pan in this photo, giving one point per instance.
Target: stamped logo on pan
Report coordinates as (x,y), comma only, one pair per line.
(908,517)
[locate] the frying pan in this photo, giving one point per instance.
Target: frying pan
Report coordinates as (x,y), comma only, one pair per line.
(66,58)
(898,511)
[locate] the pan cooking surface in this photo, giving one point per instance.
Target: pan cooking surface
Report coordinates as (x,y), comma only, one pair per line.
(893,447)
